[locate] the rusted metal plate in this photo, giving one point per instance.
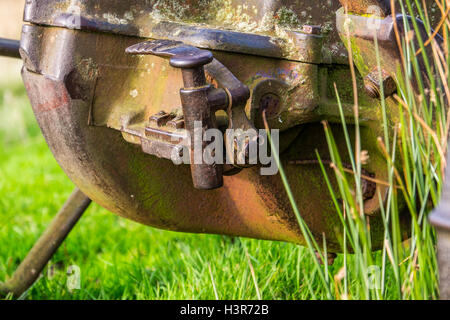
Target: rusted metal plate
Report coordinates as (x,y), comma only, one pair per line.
(273,28)
(251,27)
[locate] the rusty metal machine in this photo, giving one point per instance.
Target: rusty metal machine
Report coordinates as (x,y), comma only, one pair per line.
(113,85)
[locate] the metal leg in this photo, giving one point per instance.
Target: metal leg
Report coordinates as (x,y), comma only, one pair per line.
(444,263)
(441,220)
(43,250)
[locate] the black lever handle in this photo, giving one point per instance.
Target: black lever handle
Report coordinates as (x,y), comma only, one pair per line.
(198,113)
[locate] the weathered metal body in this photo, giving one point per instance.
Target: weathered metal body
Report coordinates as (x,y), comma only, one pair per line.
(93,103)
(111,106)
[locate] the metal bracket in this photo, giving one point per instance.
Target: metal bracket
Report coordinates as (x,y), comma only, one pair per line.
(200,102)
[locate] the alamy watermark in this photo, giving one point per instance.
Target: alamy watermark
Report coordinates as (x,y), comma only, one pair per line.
(234,147)
(73,276)
(374,20)
(374,277)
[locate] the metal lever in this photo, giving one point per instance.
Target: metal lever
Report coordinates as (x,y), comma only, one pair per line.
(198,110)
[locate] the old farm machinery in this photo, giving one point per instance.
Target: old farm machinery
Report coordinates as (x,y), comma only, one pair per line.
(116,85)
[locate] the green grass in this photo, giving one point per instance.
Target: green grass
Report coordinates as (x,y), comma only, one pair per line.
(120,259)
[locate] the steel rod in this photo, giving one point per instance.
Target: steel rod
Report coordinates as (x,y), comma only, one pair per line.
(9,48)
(43,250)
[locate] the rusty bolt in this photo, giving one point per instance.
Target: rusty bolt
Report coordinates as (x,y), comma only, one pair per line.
(312,29)
(372,84)
(271,104)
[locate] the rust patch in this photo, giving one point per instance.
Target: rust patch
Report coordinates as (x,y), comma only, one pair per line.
(47,102)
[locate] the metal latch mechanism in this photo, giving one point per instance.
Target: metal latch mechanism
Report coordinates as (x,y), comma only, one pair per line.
(200,101)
